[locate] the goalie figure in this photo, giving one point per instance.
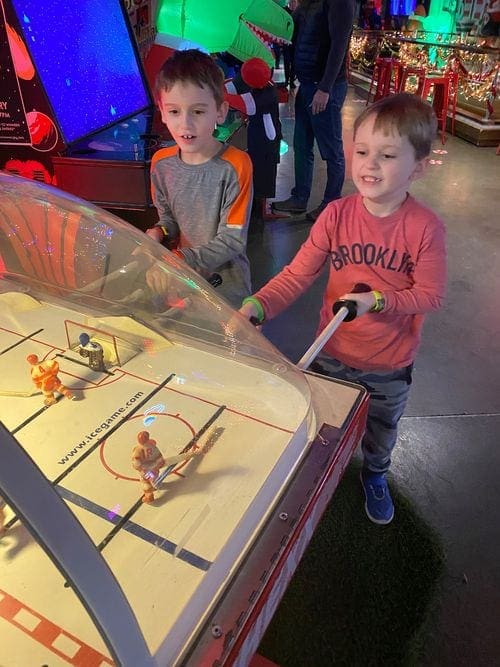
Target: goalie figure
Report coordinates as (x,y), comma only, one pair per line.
(92,351)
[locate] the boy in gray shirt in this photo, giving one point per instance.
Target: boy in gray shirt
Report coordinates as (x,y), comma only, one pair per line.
(202,189)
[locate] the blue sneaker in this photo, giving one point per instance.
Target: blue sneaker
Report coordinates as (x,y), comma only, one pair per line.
(379,506)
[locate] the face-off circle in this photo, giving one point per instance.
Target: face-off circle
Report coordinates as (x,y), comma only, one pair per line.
(171,437)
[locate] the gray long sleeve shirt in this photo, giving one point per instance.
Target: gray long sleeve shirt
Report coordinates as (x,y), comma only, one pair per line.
(208,206)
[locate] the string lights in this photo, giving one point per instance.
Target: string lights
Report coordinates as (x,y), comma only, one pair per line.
(478,68)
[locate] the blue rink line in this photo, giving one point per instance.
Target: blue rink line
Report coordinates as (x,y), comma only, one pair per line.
(135,529)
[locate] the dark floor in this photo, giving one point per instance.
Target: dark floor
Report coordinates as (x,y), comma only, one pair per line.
(448,456)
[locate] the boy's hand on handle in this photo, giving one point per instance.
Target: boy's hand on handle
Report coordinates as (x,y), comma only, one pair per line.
(364,298)
(249,311)
(158,280)
(155,233)
(364,301)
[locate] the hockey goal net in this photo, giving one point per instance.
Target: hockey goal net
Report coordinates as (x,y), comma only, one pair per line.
(117,350)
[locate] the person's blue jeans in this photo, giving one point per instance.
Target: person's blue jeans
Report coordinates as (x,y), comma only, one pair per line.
(388,396)
(326,128)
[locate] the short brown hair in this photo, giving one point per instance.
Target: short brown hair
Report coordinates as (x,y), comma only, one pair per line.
(409,115)
(195,67)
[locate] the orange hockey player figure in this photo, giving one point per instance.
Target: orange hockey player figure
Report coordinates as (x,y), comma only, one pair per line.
(45,377)
(147,460)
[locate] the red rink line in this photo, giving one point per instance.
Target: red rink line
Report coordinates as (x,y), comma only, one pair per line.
(138,377)
(46,633)
(228,409)
(183,393)
(90,384)
(204,400)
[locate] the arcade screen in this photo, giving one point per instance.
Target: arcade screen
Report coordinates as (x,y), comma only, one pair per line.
(84,53)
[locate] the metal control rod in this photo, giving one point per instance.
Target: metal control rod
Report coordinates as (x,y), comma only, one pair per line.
(344,312)
(343,309)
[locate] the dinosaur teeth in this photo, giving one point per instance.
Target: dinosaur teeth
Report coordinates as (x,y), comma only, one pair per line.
(266,37)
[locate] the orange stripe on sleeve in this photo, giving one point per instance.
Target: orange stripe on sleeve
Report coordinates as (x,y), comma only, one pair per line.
(241,207)
(160,155)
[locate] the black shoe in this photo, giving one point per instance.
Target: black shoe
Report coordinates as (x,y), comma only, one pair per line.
(290,205)
(312,216)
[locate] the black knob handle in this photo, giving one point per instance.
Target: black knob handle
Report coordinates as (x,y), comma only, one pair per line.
(215,279)
(352,308)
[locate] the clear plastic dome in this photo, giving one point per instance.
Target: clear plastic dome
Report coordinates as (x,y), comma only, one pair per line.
(142,344)
(62,251)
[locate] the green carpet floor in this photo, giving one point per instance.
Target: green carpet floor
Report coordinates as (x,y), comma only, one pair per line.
(363,594)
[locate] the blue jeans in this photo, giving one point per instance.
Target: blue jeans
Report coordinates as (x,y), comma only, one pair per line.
(326,128)
(388,396)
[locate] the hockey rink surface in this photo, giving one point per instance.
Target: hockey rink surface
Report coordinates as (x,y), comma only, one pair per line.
(171,557)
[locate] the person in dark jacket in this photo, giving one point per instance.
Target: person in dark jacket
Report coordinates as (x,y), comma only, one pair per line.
(321,42)
(290,7)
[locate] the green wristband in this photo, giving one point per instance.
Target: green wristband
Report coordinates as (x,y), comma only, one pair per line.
(261,316)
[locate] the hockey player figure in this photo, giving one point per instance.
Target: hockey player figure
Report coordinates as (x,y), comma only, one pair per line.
(45,377)
(147,460)
(93,352)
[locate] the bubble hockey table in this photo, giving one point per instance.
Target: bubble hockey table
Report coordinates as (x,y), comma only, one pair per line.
(89,573)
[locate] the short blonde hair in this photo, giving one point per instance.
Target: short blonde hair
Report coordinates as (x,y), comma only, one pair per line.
(411,116)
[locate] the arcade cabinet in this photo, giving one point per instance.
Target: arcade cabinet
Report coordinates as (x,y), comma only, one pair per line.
(79,112)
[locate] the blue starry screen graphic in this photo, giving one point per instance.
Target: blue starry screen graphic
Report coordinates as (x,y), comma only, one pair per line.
(85,59)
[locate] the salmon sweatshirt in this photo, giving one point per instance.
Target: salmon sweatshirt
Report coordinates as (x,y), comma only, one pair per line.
(402,255)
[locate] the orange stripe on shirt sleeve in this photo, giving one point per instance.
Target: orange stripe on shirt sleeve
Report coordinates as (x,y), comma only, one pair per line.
(239,209)
(160,155)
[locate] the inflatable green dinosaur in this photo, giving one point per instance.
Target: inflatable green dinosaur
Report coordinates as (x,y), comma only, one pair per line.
(244,28)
